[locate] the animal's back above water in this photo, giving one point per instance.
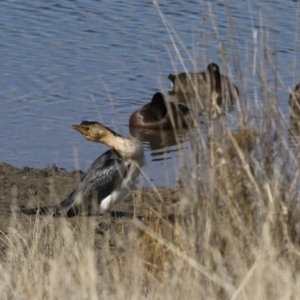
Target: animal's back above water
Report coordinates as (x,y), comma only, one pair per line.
(189,87)
(294,102)
(160,114)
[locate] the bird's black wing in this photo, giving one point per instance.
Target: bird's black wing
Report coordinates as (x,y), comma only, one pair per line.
(103,176)
(100,180)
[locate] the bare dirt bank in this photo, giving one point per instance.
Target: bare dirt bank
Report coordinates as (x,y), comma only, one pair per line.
(36,187)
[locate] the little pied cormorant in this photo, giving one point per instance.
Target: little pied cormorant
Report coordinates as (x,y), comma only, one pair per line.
(107,181)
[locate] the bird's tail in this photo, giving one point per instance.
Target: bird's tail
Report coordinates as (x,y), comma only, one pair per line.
(65,208)
(43,210)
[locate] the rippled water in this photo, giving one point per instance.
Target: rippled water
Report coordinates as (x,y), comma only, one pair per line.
(66,61)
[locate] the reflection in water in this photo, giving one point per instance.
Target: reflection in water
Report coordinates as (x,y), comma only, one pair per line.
(160,140)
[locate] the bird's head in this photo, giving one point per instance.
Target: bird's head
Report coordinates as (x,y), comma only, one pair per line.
(94,131)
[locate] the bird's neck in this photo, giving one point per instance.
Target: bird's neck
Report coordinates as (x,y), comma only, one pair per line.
(128,148)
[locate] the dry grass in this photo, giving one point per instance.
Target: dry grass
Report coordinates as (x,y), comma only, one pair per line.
(236,234)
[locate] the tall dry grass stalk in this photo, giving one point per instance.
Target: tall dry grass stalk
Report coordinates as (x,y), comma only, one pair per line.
(235,233)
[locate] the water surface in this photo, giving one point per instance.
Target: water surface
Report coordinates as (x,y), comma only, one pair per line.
(63,62)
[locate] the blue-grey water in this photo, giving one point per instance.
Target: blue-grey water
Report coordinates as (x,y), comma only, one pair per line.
(65,61)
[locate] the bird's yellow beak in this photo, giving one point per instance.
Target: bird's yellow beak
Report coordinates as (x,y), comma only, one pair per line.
(83,129)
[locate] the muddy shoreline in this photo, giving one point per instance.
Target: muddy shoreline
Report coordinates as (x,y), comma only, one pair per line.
(36,187)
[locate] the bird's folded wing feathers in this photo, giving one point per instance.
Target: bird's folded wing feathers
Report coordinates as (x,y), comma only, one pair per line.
(104,175)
